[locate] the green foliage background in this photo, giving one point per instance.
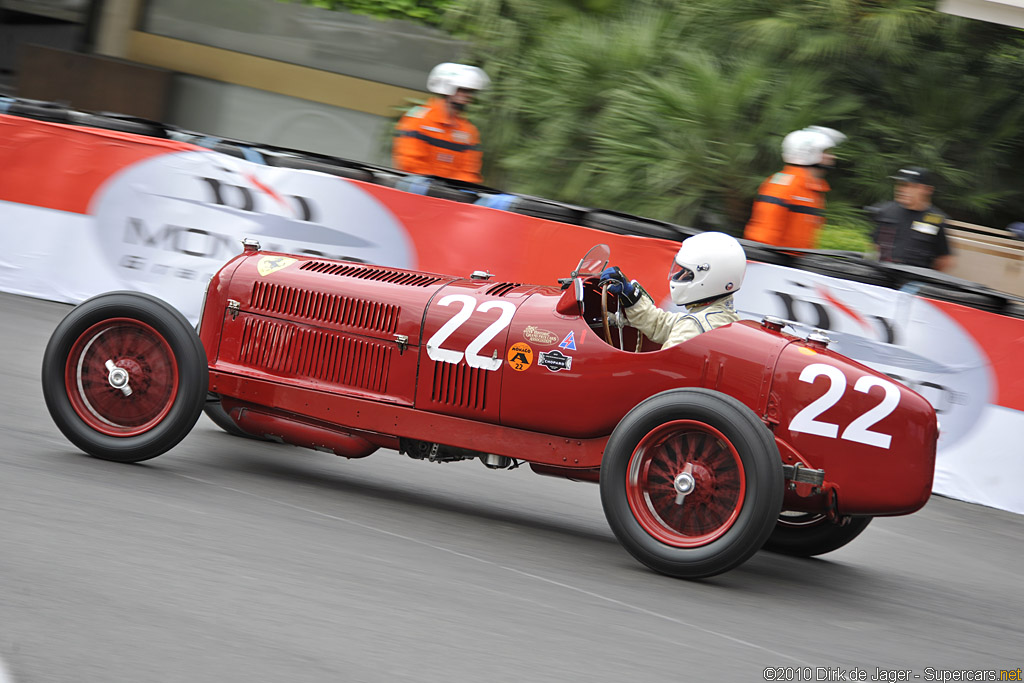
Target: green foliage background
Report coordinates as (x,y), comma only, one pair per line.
(429,12)
(675,109)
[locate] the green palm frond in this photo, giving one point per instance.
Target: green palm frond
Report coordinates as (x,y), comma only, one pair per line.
(676,110)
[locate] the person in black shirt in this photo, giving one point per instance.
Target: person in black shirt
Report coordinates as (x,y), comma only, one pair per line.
(910,229)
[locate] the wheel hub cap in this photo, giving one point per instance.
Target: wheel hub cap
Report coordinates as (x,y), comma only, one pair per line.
(684,484)
(118,378)
(121,377)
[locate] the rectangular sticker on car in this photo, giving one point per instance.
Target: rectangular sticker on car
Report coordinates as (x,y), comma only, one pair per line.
(554,360)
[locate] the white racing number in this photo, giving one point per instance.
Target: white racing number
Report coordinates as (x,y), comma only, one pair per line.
(859,430)
(472,353)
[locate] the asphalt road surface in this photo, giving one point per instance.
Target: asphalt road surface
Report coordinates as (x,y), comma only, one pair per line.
(233,560)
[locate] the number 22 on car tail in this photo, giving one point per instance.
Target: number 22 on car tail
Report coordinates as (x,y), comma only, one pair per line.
(845,412)
(859,429)
(465,334)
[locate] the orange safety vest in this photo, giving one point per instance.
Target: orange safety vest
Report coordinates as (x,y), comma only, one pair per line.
(430,142)
(789,209)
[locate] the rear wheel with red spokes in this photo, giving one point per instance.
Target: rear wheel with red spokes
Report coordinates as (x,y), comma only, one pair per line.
(691,482)
(124,376)
(685,484)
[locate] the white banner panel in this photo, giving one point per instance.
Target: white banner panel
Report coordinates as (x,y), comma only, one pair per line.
(165,225)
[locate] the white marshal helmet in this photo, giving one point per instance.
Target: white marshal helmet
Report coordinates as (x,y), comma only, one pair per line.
(446,78)
(807,146)
(708,265)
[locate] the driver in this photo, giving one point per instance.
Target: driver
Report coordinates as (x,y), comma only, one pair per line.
(706,272)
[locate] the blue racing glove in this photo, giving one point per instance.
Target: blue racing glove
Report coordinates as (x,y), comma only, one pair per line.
(620,286)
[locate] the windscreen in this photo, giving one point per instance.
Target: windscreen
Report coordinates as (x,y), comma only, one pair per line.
(595,261)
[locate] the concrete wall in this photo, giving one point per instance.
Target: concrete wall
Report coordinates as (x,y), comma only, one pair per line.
(392,52)
(263,71)
(238,112)
(51,23)
(287,74)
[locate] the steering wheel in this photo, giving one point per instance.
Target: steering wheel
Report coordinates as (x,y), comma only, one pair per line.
(607,327)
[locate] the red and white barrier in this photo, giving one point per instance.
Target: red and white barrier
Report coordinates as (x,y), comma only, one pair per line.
(86,211)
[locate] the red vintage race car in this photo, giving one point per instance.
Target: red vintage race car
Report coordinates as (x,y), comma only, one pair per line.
(740,438)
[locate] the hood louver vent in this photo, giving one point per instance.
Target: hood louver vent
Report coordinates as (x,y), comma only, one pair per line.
(502,288)
(289,350)
(397,277)
(457,384)
(327,308)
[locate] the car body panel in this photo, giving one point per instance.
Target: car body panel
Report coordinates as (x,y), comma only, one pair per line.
(462,357)
(362,356)
(874,437)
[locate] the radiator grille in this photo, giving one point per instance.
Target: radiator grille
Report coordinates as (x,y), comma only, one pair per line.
(502,288)
(398,277)
(457,384)
(324,307)
(294,351)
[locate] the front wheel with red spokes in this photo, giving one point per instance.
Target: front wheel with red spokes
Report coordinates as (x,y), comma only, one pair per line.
(124,376)
(691,482)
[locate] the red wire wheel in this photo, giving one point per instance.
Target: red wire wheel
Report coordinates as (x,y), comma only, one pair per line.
(685,484)
(125,376)
(144,362)
(691,482)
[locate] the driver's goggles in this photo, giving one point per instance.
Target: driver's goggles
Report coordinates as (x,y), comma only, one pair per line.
(680,273)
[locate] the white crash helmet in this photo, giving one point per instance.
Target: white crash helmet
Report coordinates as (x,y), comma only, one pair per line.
(446,78)
(806,147)
(708,265)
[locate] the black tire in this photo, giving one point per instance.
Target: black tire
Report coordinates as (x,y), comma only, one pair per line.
(856,269)
(163,362)
(40,110)
(119,122)
(738,483)
(807,535)
(547,209)
(975,299)
(443,190)
(215,411)
(763,253)
(625,224)
(303,163)
(228,148)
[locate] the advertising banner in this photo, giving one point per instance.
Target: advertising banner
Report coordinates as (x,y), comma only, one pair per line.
(960,359)
(85,211)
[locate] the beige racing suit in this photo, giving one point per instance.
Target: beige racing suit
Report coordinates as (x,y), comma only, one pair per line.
(669,328)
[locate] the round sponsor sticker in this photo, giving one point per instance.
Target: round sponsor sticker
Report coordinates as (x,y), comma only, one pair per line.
(520,356)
